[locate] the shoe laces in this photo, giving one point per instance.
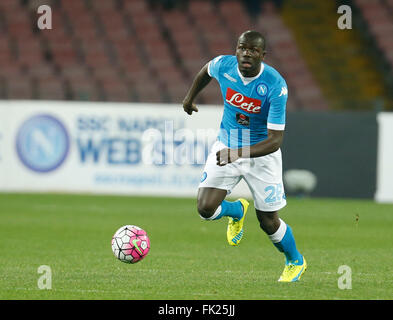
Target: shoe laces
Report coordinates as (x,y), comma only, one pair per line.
(290,268)
(234,224)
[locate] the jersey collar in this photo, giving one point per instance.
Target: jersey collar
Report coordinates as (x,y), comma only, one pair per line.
(247,80)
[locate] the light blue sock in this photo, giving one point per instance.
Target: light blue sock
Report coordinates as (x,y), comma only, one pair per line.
(229,209)
(284,241)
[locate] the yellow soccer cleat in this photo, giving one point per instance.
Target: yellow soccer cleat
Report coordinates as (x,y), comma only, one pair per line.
(293,272)
(235,227)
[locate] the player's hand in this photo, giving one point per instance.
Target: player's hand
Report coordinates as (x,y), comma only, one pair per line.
(189,107)
(226,156)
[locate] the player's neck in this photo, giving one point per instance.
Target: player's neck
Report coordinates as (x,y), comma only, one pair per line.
(251,73)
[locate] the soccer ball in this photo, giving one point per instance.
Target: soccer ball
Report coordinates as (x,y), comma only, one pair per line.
(130,244)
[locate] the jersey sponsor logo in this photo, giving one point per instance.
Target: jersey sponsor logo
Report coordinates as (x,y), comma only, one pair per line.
(242,119)
(284,91)
(239,100)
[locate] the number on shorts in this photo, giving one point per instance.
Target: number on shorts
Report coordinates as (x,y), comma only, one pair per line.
(275,193)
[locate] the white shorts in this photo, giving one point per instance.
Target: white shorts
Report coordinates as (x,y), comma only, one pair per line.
(263,176)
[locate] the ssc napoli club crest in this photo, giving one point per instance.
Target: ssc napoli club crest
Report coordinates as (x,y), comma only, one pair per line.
(262,89)
(42,143)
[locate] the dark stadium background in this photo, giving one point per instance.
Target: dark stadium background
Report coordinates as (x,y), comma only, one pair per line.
(67,183)
(149,51)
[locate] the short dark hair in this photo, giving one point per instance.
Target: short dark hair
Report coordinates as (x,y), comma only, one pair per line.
(252,35)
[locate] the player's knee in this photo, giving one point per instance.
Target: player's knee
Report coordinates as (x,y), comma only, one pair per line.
(268,221)
(266,227)
(205,210)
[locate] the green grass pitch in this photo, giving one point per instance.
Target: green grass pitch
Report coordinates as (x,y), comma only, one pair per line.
(189,258)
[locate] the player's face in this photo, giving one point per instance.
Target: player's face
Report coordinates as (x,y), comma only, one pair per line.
(249,55)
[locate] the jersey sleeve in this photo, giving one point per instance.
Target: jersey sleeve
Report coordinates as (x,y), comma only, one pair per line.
(278,101)
(213,68)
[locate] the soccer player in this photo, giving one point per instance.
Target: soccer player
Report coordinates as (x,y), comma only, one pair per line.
(248,146)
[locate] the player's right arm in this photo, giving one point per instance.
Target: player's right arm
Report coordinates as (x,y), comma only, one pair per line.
(200,81)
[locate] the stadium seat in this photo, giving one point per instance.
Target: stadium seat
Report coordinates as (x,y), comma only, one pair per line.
(286,56)
(19,87)
(6,56)
(51,88)
(109,49)
(85,89)
(378,15)
(233,10)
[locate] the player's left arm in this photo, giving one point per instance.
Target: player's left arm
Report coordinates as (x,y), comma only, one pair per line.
(275,125)
(263,148)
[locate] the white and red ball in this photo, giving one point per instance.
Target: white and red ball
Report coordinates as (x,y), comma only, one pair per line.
(130,244)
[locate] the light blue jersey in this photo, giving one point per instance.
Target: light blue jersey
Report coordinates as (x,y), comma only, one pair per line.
(251,105)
